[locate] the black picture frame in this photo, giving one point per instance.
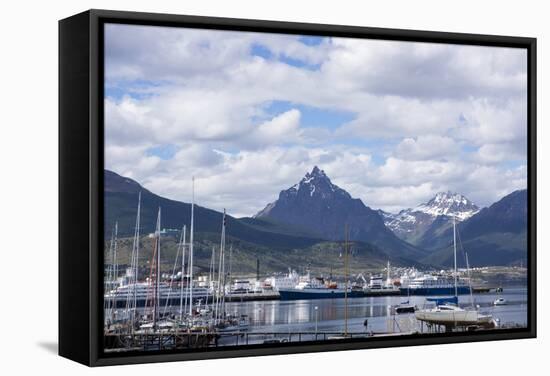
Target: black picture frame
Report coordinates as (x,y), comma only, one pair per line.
(81,182)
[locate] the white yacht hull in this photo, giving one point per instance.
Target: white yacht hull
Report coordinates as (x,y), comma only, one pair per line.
(454,317)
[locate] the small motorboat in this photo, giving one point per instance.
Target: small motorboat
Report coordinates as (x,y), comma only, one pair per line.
(500,301)
(405,307)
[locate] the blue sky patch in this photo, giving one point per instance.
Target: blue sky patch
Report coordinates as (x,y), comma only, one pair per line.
(313,117)
(298,63)
(265,53)
(469,148)
(513,164)
(261,51)
(164,152)
(311,40)
(138,89)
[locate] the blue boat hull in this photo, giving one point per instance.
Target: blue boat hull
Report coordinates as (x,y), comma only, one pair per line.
(461,290)
(299,295)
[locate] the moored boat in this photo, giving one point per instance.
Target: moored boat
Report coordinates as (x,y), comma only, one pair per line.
(500,301)
(318,293)
(451,314)
(434,285)
(405,307)
(447,311)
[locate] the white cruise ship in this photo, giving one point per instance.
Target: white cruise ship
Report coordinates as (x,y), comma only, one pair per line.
(144,292)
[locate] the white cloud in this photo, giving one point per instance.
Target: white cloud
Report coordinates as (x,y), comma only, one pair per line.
(427,147)
(427,117)
(283,128)
(496,153)
(395,198)
(404,172)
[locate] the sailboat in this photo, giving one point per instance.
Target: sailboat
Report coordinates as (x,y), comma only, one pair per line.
(222,321)
(447,312)
(346,276)
(123,296)
(157,323)
(110,282)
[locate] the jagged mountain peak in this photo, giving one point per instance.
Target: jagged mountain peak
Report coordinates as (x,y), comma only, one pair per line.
(317,205)
(450,204)
(496,235)
(410,224)
(316,172)
(315,184)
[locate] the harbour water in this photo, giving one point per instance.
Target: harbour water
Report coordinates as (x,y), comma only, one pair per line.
(328,315)
(321,319)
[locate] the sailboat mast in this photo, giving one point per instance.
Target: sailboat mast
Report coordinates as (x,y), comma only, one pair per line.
(135,253)
(231,267)
(346,286)
(182,242)
(469,280)
(107,305)
(115,259)
(211,278)
(221,271)
(157,272)
(114,266)
(218,282)
(454,246)
(191,247)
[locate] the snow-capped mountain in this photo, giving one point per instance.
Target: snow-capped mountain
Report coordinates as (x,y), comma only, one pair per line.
(449,204)
(410,224)
(322,208)
(496,235)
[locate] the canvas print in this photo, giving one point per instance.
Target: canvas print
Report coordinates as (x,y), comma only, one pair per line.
(272,189)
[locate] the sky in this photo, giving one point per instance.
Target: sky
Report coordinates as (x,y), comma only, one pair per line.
(249,114)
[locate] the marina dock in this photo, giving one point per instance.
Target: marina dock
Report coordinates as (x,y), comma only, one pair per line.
(255,296)
(196,340)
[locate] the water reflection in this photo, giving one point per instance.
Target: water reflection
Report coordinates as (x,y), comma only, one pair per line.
(301,315)
(364,314)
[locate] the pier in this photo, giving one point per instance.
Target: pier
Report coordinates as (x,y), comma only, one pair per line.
(174,340)
(186,340)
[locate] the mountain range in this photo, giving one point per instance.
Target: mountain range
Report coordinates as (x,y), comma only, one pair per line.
(277,245)
(417,225)
(496,235)
(309,219)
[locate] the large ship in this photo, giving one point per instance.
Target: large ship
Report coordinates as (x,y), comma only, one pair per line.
(287,281)
(377,286)
(434,285)
(316,288)
(144,292)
